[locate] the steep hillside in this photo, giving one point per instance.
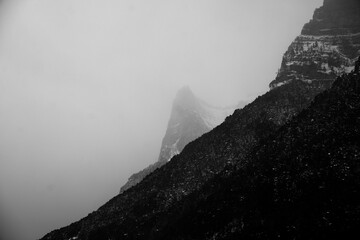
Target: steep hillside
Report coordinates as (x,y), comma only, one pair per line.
(328,45)
(190,118)
(302,182)
(128,215)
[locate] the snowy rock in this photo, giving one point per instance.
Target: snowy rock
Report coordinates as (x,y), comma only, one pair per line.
(327,47)
(190,118)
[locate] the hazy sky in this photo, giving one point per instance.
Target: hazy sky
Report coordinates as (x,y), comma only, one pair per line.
(86,88)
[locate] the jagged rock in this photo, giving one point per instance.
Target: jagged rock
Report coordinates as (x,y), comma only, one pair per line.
(190,118)
(327,47)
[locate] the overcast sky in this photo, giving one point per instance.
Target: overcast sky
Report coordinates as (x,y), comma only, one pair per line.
(86,88)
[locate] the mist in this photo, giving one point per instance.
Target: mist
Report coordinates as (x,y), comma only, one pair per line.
(86,88)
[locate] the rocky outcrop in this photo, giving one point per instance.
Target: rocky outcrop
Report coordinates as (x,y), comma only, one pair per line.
(327,47)
(190,118)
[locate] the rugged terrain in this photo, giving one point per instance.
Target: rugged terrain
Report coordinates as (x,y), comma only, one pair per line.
(302,182)
(328,45)
(190,118)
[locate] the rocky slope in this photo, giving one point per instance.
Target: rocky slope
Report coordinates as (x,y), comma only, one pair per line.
(328,45)
(137,213)
(302,182)
(142,212)
(190,118)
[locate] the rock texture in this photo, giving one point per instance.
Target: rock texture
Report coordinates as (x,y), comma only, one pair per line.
(190,118)
(327,47)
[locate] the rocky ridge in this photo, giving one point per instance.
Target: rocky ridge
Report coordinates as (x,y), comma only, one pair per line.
(327,47)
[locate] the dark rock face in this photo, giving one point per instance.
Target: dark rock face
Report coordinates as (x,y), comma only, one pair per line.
(336,17)
(327,47)
(190,118)
(302,182)
(349,82)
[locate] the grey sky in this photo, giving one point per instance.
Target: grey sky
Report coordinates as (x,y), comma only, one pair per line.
(86,88)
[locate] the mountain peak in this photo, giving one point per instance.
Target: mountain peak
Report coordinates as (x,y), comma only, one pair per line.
(185,98)
(190,118)
(185,90)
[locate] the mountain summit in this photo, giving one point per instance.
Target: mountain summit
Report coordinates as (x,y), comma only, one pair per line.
(190,118)
(328,45)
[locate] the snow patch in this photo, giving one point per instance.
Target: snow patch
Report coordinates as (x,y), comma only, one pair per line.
(329,36)
(74,238)
(275,85)
(174,150)
(214,116)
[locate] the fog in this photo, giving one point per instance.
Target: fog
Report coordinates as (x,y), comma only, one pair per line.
(86,88)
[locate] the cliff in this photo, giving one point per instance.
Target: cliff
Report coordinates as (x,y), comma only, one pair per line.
(327,47)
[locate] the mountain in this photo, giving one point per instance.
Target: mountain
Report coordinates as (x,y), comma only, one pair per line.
(138,212)
(180,192)
(328,45)
(190,118)
(302,182)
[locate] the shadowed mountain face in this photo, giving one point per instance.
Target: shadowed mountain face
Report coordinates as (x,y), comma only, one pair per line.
(237,156)
(190,118)
(328,45)
(302,182)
